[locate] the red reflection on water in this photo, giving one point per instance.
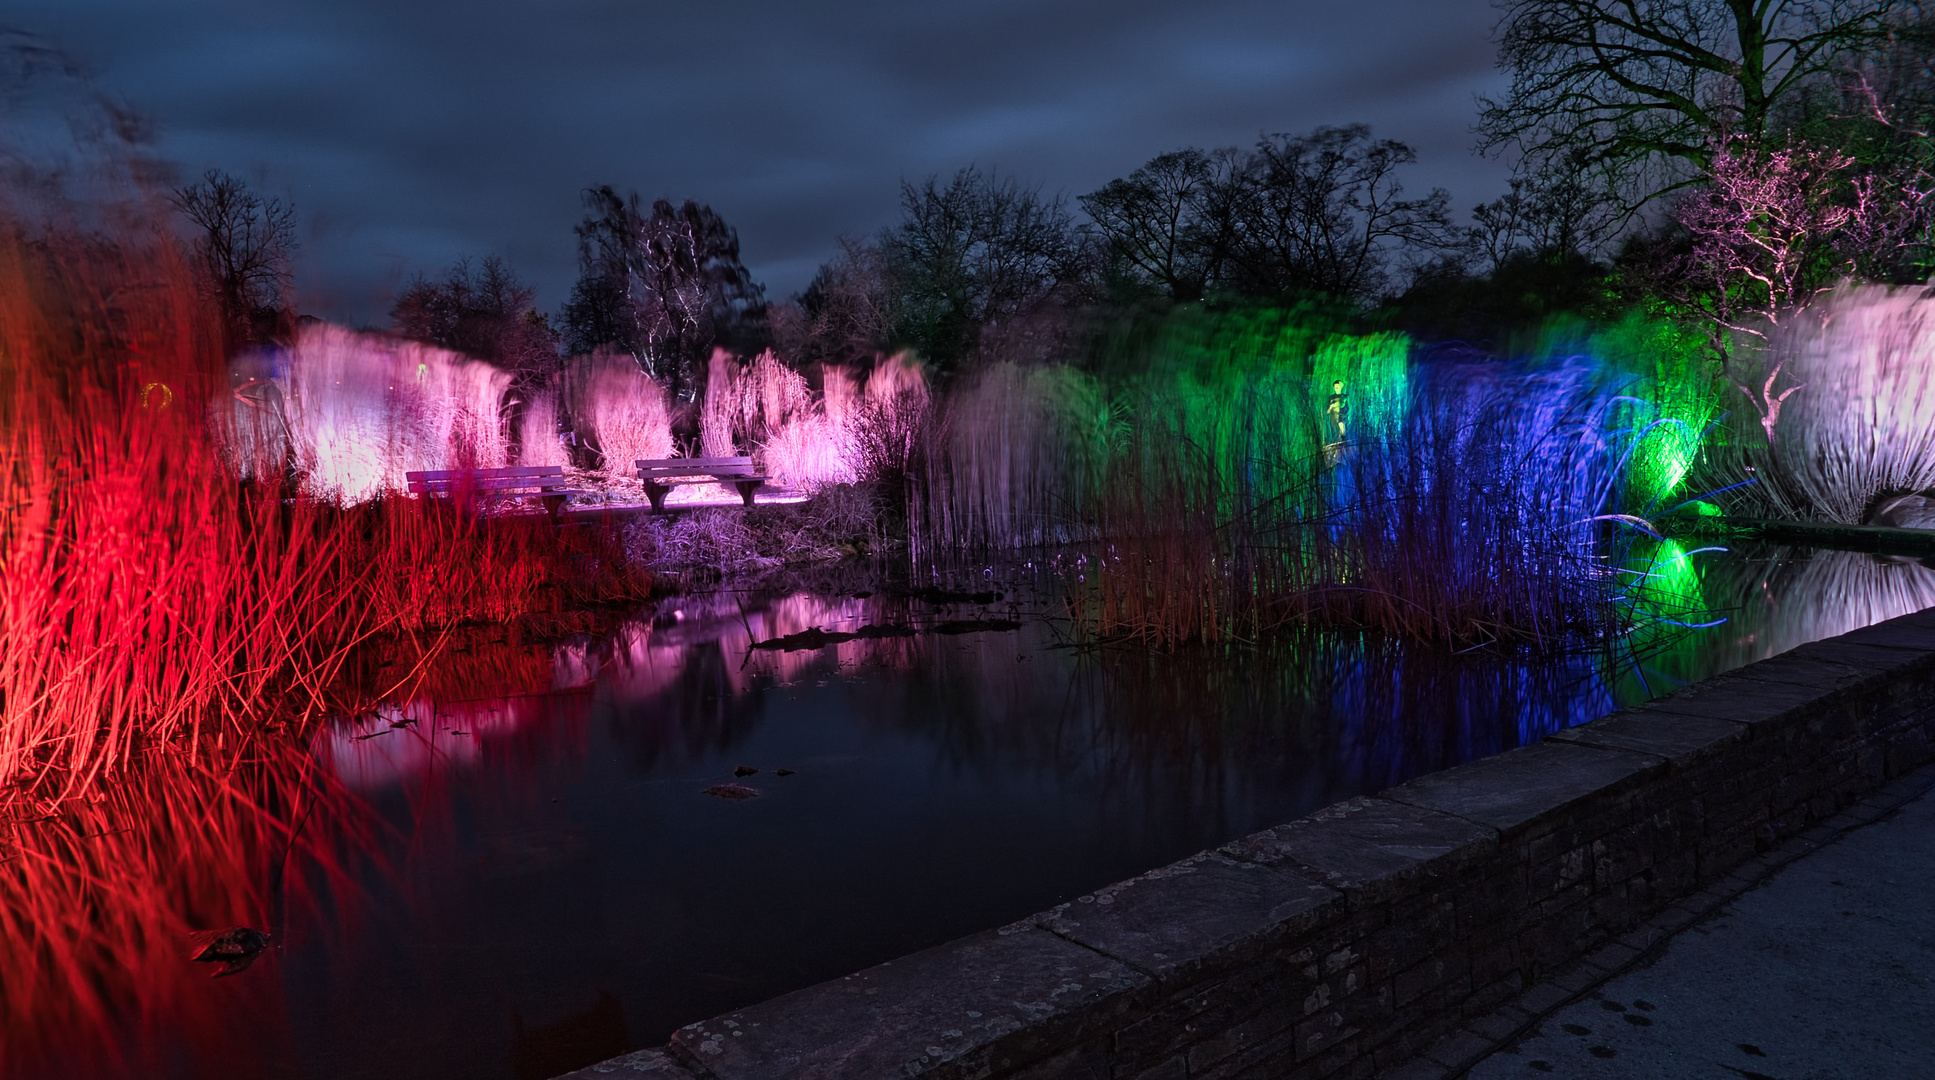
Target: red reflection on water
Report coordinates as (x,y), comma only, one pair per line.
(104,901)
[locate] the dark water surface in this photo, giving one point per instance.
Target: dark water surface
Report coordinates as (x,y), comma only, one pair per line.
(554,885)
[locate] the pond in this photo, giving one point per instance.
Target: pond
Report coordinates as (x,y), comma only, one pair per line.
(562,853)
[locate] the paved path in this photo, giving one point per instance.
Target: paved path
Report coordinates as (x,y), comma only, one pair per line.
(1825,972)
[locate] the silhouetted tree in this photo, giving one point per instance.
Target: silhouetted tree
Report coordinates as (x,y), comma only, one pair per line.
(1325,213)
(1298,215)
(845,313)
(483,311)
(1554,216)
(1642,91)
(243,245)
(1167,224)
(969,255)
(664,286)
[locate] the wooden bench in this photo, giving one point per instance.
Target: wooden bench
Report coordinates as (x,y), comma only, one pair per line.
(547,482)
(658,475)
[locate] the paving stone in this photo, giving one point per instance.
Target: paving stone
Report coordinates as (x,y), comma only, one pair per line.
(1172,921)
(1370,846)
(997,1000)
(1500,1025)
(1614,956)
(1460,1048)
(1680,739)
(1518,787)
(1543,998)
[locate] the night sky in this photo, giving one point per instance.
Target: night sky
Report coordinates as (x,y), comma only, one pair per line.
(409,133)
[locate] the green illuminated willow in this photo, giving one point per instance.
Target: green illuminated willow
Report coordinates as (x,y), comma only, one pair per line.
(1244,471)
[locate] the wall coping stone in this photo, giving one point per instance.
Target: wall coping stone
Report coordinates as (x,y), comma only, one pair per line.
(1738,697)
(1913,631)
(958,1009)
(1681,739)
(1370,847)
(1519,789)
(1173,921)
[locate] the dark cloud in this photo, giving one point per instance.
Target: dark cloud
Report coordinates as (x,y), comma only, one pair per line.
(409,134)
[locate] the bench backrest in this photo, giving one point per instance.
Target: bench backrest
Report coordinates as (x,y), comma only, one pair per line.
(652,468)
(441,481)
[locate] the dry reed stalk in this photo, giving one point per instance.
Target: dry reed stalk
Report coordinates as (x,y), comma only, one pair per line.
(619,411)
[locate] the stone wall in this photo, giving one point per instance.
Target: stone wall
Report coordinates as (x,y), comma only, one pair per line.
(1345,942)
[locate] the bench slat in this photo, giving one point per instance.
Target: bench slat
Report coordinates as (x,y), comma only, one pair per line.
(546,483)
(490,484)
(669,470)
(694,461)
(486,474)
(657,474)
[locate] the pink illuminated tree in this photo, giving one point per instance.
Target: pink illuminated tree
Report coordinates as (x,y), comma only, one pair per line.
(1766,229)
(1774,227)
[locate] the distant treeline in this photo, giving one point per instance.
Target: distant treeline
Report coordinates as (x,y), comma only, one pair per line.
(1709,160)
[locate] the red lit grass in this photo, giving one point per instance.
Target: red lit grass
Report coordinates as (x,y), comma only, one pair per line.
(150,599)
(168,636)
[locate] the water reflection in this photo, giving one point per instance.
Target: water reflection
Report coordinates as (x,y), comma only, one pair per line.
(541,877)
(103,903)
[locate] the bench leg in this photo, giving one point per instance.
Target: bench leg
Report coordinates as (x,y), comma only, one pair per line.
(554,506)
(746,489)
(656,493)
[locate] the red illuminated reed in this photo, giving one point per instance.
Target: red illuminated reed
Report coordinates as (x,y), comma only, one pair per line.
(149,598)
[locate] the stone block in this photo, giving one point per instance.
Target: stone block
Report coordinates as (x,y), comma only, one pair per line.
(1494,994)
(1542,998)
(1613,956)
(1501,1025)
(1204,910)
(1269,1024)
(1318,1034)
(1808,668)
(1084,1062)
(996,1001)
(1370,847)
(1343,1061)
(1457,1050)
(1413,983)
(1532,784)
(1682,740)
(1407,941)
(1272,1057)
(1175,1068)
